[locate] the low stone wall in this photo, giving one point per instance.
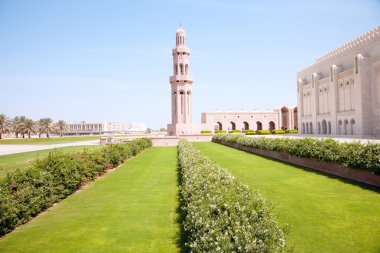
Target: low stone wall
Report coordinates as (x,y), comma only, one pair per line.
(362,176)
(173,140)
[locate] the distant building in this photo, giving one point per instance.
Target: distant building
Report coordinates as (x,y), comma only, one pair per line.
(106,127)
(340,93)
(282,118)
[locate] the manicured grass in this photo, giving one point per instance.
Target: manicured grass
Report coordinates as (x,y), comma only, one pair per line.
(44,141)
(326,214)
(21,160)
(133,209)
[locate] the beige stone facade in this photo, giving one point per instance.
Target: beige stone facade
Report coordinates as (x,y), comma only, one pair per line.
(340,94)
(282,118)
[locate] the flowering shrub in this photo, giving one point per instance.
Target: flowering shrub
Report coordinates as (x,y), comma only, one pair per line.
(220,131)
(250,132)
(235,131)
(221,213)
(264,132)
(206,132)
(354,155)
(291,131)
(26,192)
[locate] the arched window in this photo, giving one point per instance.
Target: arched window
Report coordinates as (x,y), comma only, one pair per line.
(186,69)
(311,127)
(182,102)
(232,126)
(303,128)
(272,126)
(352,126)
(181,68)
(319,127)
(339,127)
(307,128)
(245,125)
(345,127)
(259,126)
(175,69)
(218,126)
(324,127)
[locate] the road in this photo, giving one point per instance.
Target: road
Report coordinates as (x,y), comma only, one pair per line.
(13,149)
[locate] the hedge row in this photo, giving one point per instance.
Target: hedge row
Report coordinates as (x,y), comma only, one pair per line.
(221,213)
(354,155)
(26,192)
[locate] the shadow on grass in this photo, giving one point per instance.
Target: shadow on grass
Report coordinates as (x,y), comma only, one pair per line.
(183,236)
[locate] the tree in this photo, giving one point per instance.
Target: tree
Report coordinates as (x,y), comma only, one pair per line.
(47,126)
(29,127)
(19,126)
(5,125)
(61,127)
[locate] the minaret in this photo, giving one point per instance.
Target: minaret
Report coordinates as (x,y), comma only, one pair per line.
(181,84)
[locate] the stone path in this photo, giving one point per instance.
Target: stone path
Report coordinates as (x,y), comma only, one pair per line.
(13,149)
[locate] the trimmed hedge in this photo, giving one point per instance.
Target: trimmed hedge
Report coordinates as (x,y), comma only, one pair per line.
(220,131)
(221,213)
(235,131)
(291,131)
(278,132)
(206,132)
(26,192)
(250,132)
(264,132)
(353,155)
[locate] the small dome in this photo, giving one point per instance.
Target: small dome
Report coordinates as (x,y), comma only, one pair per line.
(180,31)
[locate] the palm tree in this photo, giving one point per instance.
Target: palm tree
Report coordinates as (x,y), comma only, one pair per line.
(29,127)
(18,126)
(21,125)
(39,127)
(47,126)
(61,127)
(4,125)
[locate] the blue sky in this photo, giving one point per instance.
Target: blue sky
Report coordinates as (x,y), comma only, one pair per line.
(111,60)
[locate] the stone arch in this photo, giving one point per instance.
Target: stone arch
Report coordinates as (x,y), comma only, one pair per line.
(272,125)
(218,126)
(232,126)
(324,127)
(345,126)
(259,126)
(285,117)
(303,128)
(352,126)
(245,125)
(339,127)
(295,116)
(307,127)
(319,128)
(311,128)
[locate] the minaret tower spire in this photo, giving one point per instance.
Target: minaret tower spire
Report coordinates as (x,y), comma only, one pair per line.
(181,85)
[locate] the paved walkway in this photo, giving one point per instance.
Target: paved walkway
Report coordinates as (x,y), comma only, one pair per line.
(13,149)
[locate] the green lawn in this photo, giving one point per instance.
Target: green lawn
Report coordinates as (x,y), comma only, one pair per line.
(133,209)
(46,141)
(21,160)
(326,214)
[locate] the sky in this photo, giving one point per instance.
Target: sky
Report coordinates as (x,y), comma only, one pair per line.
(111,60)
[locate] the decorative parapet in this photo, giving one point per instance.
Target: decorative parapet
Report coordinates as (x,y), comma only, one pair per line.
(365,39)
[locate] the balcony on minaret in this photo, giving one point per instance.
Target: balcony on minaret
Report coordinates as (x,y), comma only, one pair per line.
(181,79)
